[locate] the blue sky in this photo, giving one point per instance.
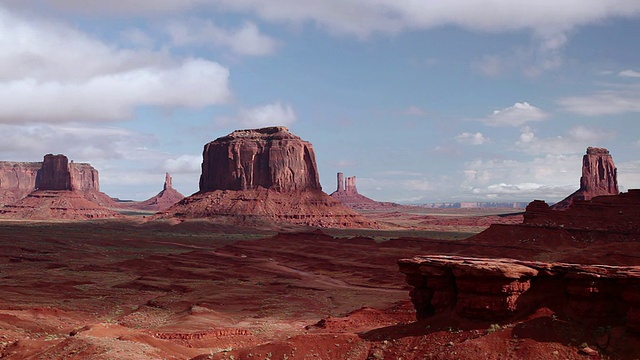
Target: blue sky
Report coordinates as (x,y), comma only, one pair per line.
(423,101)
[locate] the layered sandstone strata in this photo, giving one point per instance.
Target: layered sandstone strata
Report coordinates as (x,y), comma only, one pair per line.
(260,177)
(55,172)
(61,190)
(599,177)
(496,289)
(271,158)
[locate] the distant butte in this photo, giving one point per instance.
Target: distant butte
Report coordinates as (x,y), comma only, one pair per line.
(347,193)
(61,190)
(599,177)
(262,177)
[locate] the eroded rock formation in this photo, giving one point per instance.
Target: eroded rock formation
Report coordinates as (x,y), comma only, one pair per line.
(162,201)
(60,190)
(262,177)
(496,289)
(347,193)
(272,158)
(599,177)
(55,172)
(493,289)
(17,180)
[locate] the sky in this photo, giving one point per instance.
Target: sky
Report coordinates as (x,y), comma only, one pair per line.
(423,101)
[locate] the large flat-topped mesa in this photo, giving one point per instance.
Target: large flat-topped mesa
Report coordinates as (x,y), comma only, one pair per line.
(55,172)
(271,158)
(263,177)
(54,189)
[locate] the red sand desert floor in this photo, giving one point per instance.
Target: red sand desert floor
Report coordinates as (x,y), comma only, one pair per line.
(118,290)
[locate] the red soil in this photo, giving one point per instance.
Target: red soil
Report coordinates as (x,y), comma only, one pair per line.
(106,290)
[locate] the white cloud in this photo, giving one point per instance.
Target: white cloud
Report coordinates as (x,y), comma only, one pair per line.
(414,110)
(472,138)
(261,116)
(575,141)
(516,115)
(362,18)
(79,142)
(184,164)
(549,177)
(247,40)
(629,175)
(55,73)
(629,73)
(606,102)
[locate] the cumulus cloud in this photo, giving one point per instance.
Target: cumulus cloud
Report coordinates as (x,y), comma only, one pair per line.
(247,40)
(516,115)
(472,138)
(55,73)
(183,164)
(261,116)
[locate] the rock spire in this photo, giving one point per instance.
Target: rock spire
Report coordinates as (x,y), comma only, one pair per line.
(599,177)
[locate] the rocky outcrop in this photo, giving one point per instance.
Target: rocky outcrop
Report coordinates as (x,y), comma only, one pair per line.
(263,177)
(612,213)
(18,179)
(57,189)
(56,204)
(272,158)
(162,201)
(496,289)
(599,177)
(499,288)
(54,173)
(347,194)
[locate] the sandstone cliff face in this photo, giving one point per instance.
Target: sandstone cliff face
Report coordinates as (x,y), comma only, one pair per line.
(266,178)
(496,289)
(599,177)
(53,189)
(271,158)
(54,173)
(17,180)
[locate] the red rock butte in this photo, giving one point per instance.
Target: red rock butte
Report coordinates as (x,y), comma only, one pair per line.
(588,288)
(272,158)
(347,193)
(56,189)
(599,177)
(264,177)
